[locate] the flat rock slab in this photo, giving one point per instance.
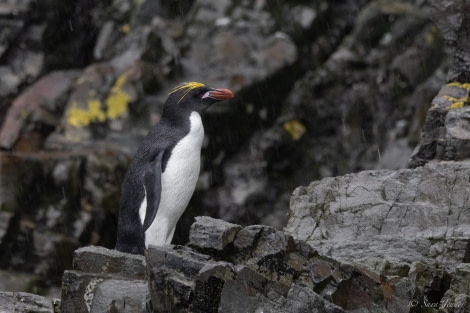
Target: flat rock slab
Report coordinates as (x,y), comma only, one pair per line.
(411,215)
(93,259)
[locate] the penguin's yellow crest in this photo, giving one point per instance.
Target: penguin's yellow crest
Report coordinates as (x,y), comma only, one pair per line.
(189,86)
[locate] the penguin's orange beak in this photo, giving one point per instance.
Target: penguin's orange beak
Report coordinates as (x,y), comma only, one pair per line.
(221,94)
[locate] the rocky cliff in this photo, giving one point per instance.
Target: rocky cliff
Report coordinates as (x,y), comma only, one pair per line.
(421,267)
(323,90)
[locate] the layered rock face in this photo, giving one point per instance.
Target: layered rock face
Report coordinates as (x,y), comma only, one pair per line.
(228,268)
(323,90)
(445,132)
(225,268)
(393,241)
(408,227)
(419,215)
(314,85)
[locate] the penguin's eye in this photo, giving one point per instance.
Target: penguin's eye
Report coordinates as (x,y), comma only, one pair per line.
(199,94)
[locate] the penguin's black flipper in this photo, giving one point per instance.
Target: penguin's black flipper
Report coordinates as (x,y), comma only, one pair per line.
(153,187)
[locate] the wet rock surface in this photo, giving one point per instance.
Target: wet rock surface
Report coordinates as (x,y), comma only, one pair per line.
(26,302)
(405,223)
(37,108)
(260,269)
(445,131)
(402,216)
(322,90)
(272,274)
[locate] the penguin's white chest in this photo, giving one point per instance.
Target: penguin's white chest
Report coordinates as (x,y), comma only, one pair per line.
(178,183)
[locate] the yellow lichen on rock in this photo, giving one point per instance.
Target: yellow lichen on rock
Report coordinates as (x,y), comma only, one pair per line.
(115,106)
(78,117)
(117,102)
(295,128)
(458,102)
(126,28)
(430,37)
(460,85)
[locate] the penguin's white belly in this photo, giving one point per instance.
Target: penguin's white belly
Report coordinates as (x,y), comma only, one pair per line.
(178,183)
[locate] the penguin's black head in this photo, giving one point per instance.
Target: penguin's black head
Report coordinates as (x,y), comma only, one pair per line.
(194,96)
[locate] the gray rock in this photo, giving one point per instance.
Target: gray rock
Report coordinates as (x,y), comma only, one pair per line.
(5,218)
(102,292)
(245,241)
(351,102)
(445,130)
(448,17)
(211,233)
(246,182)
(237,298)
(266,271)
(248,43)
(10,28)
(454,27)
(116,295)
(36,106)
(15,281)
(268,279)
(270,242)
(341,77)
(101,260)
(9,82)
(105,281)
(400,216)
(103,40)
(78,290)
(28,65)
(22,302)
(459,283)
(181,279)
(42,243)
